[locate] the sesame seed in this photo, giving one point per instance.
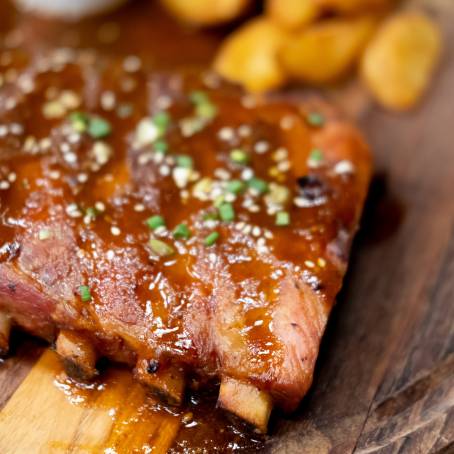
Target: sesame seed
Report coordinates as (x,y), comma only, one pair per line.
(16,129)
(287,122)
(256,231)
(82,178)
(110,254)
(101,152)
(54,174)
(244,131)
(4,185)
(181,176)
(114,230)
(163,102)
(70,158)
(321,262)
(100,206)
(108,100)
(309,263)
(72,210)
(139,207)
(344,167)
(247,174)
(222,174)
(12,177)
(261,147)
(132,64)
(226,134)
(164,170)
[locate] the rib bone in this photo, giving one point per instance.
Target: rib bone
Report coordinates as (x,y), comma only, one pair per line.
(246,401)
(165,383)
(5,329)
(78,355)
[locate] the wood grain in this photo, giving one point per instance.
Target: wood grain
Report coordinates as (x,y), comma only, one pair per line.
(385,376)
(46,415)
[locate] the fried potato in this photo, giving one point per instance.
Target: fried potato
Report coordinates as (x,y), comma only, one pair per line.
(354,6)
(206,12)
(326,51)
(399,62)
(250,56)
(292,14)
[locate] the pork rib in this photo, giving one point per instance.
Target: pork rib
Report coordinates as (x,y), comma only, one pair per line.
(173,223)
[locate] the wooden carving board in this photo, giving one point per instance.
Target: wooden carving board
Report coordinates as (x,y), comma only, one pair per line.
(385,378)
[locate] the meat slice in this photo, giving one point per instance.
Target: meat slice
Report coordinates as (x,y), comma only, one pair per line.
(175,224)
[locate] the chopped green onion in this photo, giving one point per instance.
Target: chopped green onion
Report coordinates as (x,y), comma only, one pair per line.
(316,155)
(161,146)
(226,212)
(155,222)
(85,294)
(91,212)
(98,128)
(199,97)
(44,234)
(258,185)
(79,121)
(203,106)
(219,200)
(282,219)
(235,186)
(211,239)
(206,110)
(185,161)
(160,248)
(182,232)
(239,156)
(211,216)
(315,119)
(161,121)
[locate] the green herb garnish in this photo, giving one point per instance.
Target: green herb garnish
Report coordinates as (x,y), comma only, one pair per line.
(98,128)
(315,119)
(85,294)
(258,185)
(161,146)
(282,219)
(160,248)
(211,239)
(182,231)
(185,161)
(155,222)
(235,186)
(161,121)
(226,212)
(239,156)
(79,121)
(316,155)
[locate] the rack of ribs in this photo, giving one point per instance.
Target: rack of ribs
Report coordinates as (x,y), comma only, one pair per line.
(173,223)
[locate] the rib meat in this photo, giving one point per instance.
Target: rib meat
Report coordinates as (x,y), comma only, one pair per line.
(270,194)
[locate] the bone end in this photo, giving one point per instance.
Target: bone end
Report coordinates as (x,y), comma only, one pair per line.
(78,355)
(246,401)
(167,384)
(5,330)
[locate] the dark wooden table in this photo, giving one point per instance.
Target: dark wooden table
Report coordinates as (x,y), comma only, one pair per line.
(385,376)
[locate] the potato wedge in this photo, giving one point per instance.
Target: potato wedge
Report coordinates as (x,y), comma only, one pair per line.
(206,12)
(326,51)
(354,6)
(399,62)
(250,56)
(292,14)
